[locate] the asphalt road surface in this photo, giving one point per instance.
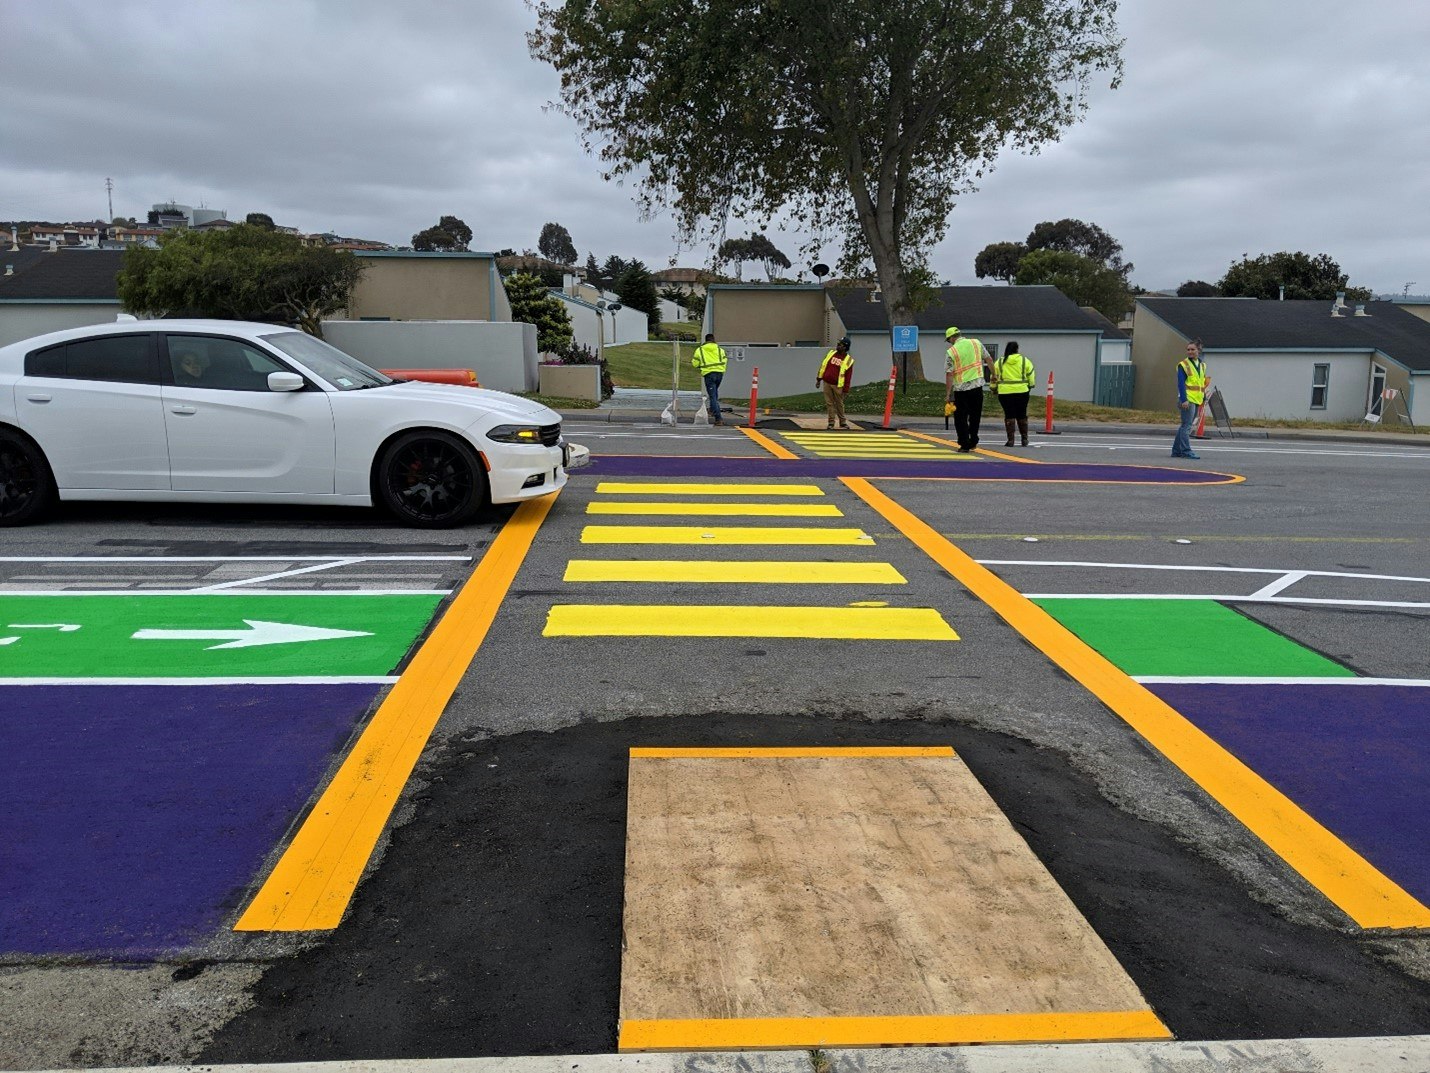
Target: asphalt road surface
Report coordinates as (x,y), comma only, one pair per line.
(488,920)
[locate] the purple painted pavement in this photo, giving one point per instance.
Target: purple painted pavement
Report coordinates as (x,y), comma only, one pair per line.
(982,470)
(1355,757)
(134,818)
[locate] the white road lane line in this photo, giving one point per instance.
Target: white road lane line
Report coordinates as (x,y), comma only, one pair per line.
(1232,599)
(1284,582)
(1205,569)
(273,577)
(1378,453)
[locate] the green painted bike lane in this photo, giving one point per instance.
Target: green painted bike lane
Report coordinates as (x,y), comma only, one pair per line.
(208,636)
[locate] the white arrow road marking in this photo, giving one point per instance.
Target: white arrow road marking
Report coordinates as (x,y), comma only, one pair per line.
(62,627)
(258,633)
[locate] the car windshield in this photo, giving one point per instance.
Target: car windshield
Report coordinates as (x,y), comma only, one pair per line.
(341,370)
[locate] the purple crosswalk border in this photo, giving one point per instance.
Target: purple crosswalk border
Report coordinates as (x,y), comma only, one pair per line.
(1354,757)
(134,818)
(981,470)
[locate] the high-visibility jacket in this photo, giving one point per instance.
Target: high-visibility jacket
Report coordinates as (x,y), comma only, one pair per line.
(845,365)
(965,361)
(709,358)
(1014,374)
(1196,377)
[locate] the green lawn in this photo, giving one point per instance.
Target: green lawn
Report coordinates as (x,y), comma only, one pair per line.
(648,365)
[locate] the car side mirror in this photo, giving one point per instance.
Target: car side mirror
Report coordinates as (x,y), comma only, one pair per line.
(285,382)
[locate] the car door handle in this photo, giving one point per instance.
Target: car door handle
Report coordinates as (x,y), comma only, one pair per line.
(39,397)
(184,409)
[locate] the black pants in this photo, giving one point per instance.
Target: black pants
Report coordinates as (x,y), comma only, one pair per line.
(1015,405)
(967,416)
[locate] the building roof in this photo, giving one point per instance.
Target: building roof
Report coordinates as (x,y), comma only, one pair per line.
(995,308)
(65,274)
(1250,324)
(686,275)
(1109,330)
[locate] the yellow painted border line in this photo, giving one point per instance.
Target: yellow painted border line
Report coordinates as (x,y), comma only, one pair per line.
(776,1032)
(766,752)
(767,443)
(1357,887)
(314,879)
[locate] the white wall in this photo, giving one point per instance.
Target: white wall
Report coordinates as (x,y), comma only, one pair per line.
(25,320)
(631,326)
(1070,356)
(1419,405)
(788,370)
(584,328)
(503,355)
(1279,385)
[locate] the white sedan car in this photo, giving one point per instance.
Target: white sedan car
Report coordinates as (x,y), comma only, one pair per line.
(223,411)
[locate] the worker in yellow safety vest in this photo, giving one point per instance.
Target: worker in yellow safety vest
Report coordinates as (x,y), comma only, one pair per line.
(1013,377)
(1192,380)
(835,373)
(710,362)
(965,376)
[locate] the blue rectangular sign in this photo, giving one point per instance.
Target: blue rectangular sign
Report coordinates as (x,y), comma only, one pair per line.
(906,338)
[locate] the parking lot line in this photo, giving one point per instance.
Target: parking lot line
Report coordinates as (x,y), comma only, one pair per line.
(1363,892)
(313,881)
(716,534)
(735,572)
(753,510)
(627,488)
(732,620)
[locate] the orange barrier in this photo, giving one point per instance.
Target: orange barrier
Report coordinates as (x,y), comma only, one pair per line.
(754,393)
(464,377)
(1048,420)
(1202,421)
(889,398)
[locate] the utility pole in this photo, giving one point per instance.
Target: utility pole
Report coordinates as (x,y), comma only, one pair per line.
(109,188)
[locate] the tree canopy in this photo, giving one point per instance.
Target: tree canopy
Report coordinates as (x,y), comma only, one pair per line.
(242,273)
(1198,288)
(1304,277)
(448,235)
(999,260)
(859,118)
(757,247)
(1086,281)
(555,244)
(1075,236)
(260,219)
(532,303)
(635,288)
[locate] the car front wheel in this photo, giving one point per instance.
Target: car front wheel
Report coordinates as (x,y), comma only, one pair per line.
(431,480)
(26,486)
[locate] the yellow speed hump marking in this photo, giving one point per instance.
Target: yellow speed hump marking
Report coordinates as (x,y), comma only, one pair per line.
(757,572)
(734,620)
(626,488)
(717,534)
(729,510)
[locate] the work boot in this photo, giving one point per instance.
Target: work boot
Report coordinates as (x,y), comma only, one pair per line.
(1009,426)
(1023,430)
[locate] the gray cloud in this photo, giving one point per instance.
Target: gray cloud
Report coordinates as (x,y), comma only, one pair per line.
(1241,127)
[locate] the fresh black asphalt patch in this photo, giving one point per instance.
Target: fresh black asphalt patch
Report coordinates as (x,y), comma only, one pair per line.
(493,926)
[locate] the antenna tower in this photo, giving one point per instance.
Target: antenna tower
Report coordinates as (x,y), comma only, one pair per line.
(109,189)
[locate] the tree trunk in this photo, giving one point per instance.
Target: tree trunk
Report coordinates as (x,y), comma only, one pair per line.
(893,284)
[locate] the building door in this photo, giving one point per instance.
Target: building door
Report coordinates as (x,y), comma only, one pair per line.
(1377,390)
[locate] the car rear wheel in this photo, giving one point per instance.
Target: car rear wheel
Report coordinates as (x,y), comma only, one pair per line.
(431,479)
(27,488)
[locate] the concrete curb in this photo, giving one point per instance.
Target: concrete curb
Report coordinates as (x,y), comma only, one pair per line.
(1373,1054)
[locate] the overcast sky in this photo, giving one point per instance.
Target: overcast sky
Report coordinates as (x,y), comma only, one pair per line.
(1243,126)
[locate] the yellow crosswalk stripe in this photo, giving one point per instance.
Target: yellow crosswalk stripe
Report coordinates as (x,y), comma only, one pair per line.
(681,620)
(625,488)
(768,510)
(764,572)
(719,534)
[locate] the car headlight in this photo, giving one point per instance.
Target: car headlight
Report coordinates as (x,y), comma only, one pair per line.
(516,434)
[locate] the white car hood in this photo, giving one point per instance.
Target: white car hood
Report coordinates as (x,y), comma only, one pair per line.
(475,400)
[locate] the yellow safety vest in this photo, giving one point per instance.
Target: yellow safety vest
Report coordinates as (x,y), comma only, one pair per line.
(709,358)
(965,359)
(1196,380)
(1015,374)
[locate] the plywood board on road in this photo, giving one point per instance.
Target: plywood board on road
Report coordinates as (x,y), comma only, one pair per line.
(807,898)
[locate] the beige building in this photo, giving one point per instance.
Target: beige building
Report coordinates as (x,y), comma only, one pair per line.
(1288,359)
(762,314)
(406,285)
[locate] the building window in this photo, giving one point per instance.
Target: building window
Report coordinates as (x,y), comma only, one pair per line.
(992,349)
(1320,384)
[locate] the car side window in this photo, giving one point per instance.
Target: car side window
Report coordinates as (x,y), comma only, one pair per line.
(220,364)
(116,359)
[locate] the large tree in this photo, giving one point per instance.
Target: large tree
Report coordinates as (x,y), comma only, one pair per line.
(555,244)
(1303,276)
(241,273)
(861,118)
(260,219)
(999,260)
(448,235)
(636,289)
(532,303)
(1198,288)
(758,248)
(1075,236)
(1083,279)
